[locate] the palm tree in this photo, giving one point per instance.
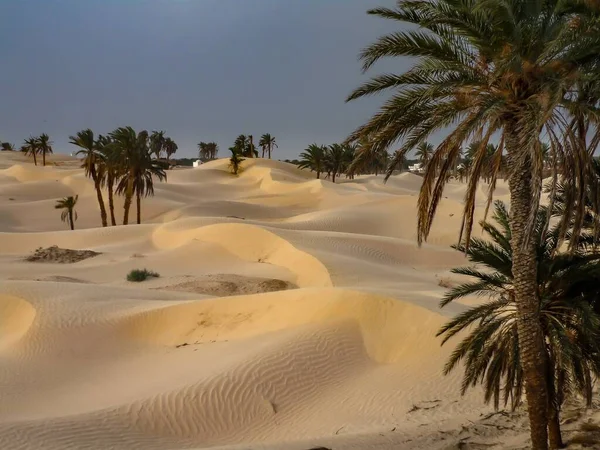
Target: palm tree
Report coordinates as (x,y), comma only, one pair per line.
(30,148)
(496,67)
(235,161)
(568,289)
(157,143)
(110,170)
(213,149)
(267,143)
(334,159)
(170,147)
(69,215)
(137,168)
(424,152)
(91,164)
(313,158)
(7,147)
(44,146)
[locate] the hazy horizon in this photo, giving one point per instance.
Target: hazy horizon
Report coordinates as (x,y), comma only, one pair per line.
(205,70)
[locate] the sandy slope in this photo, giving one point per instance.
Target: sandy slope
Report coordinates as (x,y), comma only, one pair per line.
(348,360)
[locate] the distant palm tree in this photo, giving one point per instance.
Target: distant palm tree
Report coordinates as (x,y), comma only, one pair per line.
(170,147)
(267,143)
(69,215)
(44,146)
(568,289)
(209,150)
(157,143)
(313,158)
(203,152)
(213,149)
(136,167)
(424,153)
(235,161)
(92,165)
(110,170)
(335,158)
(7,147)
(31,148)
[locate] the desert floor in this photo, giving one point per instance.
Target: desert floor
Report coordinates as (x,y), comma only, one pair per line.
(290,313)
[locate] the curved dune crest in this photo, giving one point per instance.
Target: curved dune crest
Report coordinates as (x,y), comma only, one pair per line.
(16,318)
(250,243)
(392,330)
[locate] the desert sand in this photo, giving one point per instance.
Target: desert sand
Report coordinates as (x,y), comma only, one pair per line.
(290,313)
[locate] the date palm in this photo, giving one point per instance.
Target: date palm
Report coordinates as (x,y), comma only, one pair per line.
(92,165)
(69,215)
(235,161)
(137,169)
(44,146)
(30,148)
(157,143)
(424,153)
(313,158)
(170,148)
(110,171)
(568,290)
(335,158)
(508,68)
(267,143)
(7,147)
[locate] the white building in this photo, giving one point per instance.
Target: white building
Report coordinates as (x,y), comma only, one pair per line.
(417,168)
(197,163)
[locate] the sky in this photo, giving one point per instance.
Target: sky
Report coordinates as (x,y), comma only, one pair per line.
(202,70)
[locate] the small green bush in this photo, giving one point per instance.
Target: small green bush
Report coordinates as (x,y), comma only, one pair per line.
(138,275)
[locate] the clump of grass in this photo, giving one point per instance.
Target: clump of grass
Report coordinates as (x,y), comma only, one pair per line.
(138,275)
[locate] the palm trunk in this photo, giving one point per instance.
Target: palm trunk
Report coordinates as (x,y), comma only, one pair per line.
(44,159)
(138,201)
(524,269)
(34,159)
(71,221)
(100,201)
(127,204)
(554,433)
(333,177)
(269,151)
(318,175)
(110,181)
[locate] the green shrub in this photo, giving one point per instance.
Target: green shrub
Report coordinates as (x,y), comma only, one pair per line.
(138,275)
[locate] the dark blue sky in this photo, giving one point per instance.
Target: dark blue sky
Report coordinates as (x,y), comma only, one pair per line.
(199,69)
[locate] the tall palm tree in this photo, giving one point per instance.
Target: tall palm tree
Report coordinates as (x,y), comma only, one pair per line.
(335,158)
(69,215)
(203,151)
(568,289)
(157,143)
(267,143)
(170,147)
(424,152)
(235,161)
(92,165)
(44,146)
(110,171)
(497,67)
(213,149)
(313,158)
(30,148)
(137,168)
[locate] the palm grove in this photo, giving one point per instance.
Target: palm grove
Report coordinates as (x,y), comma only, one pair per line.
(122,163)
(520,73)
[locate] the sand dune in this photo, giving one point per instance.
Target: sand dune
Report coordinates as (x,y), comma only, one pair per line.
(342,354)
